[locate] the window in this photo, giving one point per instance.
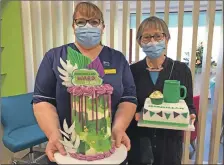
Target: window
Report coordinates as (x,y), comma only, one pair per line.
(187,33)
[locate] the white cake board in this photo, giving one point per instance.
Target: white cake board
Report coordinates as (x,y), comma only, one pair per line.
(189,128)
(117,157)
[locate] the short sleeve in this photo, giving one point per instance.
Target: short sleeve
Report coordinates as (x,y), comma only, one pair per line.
(45,83)
(129,94)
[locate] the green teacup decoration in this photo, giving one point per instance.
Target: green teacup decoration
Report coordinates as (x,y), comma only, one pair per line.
(156,97)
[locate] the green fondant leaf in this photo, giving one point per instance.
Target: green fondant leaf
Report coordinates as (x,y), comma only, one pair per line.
(77,58)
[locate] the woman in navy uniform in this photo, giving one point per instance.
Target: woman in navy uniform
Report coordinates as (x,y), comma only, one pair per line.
(151,145)
(51,101)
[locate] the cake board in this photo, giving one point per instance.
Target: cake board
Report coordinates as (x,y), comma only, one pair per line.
(117,157)
(189,128)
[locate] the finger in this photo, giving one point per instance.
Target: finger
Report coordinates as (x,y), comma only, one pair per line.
(113,142)
(50,155)
(118,140)
(137,117)
(126,142)
(60,148)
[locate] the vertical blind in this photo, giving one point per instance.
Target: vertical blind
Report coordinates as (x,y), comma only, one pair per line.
(48,24)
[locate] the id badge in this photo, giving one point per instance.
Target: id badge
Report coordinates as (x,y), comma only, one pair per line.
(110,71)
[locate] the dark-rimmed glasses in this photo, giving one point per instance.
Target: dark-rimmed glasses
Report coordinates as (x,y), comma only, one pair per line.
(146,38)
(81,22)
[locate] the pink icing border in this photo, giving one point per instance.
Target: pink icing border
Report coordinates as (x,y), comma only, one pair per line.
(89,91)
(93,157)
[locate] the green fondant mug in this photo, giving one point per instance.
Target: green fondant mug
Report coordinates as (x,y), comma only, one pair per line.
(171,91)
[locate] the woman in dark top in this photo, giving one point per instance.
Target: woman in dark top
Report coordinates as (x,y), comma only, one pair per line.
(151,145)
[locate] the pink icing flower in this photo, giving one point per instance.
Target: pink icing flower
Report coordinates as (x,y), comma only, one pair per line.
(109,88)
(70,89)
(88,91)
(100,90)
(77,91)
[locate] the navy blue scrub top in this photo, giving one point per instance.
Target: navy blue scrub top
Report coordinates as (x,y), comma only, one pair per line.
(49,88)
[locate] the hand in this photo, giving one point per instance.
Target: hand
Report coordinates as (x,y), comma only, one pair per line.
(193,116)
(53,146)
(120,137)
(137,116)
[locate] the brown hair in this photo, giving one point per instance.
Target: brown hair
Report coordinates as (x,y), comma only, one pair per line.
(152,22)
(89,10)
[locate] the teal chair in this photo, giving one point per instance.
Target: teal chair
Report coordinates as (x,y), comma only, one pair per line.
(20,128)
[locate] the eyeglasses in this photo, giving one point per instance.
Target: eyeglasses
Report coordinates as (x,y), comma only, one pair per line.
(146,38)
(82,22)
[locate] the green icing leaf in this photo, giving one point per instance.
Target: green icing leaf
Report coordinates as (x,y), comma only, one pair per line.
(77,58)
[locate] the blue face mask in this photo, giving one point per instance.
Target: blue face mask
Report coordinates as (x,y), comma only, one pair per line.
(88,36)
(154,50)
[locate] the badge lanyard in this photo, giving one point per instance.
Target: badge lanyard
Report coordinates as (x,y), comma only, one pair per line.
(171,70)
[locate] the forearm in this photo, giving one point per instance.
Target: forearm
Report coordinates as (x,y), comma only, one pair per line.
(124,115)
(47,118)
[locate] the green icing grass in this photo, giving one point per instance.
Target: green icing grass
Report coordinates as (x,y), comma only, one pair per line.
(164,123)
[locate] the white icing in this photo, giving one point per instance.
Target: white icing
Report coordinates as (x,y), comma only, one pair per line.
(180,108)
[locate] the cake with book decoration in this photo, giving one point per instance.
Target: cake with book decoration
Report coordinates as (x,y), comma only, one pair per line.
(89,137)
(167,110)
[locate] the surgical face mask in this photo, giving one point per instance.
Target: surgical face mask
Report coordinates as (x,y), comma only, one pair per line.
(154,49)
(88,36)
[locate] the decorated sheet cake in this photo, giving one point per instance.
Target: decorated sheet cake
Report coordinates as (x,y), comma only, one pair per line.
(89,137)
(167,114)
(167,110)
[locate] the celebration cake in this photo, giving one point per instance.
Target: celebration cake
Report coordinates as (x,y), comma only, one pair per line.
(160,114)
(89,137)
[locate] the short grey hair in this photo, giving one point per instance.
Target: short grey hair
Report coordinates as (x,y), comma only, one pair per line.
(152,22)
